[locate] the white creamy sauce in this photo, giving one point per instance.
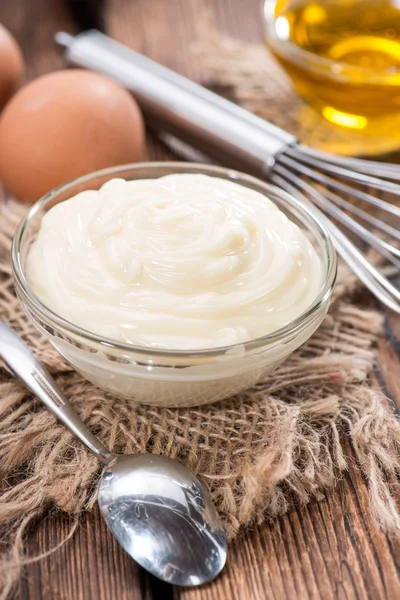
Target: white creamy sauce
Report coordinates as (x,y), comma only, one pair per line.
(180,262)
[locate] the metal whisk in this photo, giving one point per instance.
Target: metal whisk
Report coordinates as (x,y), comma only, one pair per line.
(233,136)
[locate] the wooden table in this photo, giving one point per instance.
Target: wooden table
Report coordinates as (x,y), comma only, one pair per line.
(329,550)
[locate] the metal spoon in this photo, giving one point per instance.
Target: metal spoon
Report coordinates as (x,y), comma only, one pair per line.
(154,506)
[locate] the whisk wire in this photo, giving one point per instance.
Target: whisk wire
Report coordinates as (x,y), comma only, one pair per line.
(365,216)
(338,170)
(354,165)
(334,183)
(390,252)
(377,283)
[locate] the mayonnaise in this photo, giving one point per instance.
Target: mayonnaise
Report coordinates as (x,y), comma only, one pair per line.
(179,262)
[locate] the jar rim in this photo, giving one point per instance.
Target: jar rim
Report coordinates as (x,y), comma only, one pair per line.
(329,68)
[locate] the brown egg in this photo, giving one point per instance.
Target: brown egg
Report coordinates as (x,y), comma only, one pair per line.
(11,66)
(64,125)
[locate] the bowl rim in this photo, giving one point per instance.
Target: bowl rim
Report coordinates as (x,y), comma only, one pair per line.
(331,69)
(58,322)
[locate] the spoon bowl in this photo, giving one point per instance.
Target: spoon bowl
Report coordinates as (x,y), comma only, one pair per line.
(163,517)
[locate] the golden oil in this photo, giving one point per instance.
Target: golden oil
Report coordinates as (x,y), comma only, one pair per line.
(343,56)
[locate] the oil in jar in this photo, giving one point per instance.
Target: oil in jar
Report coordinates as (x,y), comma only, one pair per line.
(343,56)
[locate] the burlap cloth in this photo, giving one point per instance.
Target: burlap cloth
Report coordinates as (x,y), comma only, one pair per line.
(259,452)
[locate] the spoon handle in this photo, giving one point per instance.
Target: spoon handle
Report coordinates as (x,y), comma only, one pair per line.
(21,360)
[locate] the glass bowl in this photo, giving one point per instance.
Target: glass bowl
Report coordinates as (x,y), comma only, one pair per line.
(171,378)
(353,80)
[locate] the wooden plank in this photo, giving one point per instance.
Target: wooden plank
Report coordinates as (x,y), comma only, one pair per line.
(327,550)
(90,565)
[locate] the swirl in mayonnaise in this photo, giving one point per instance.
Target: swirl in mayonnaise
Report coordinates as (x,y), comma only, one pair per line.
(180,262)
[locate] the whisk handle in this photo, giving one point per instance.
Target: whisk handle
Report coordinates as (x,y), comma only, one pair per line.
(177,105)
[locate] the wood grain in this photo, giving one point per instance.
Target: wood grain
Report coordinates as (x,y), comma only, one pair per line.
(90,566)
(329,550)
